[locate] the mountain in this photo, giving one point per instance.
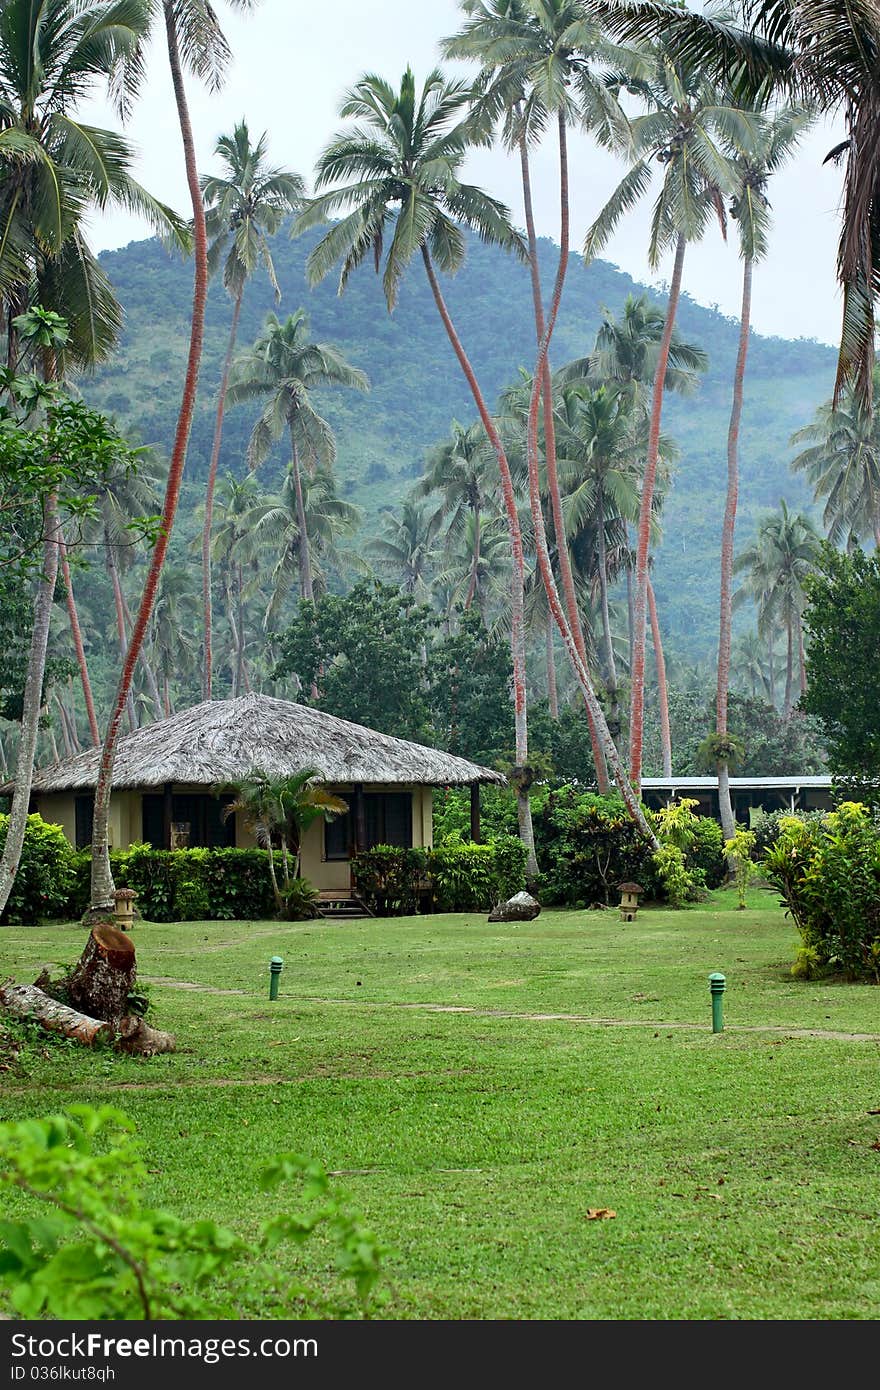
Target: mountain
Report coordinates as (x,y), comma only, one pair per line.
(417,388)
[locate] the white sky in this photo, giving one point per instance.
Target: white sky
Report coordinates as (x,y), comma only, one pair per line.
(292,63)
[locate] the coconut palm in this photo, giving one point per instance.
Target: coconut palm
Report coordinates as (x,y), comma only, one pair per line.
(457,469)
(842,462)
(776,566)
(749,664)
(194,41)
(237,503)
(287,366)
(822,53)
(55,169)
(538,62)
(245,205)
(173,649)
(406,548)
(476,568)
(403,198)
(626,350)
(774,142)
(686,130)
(306,513)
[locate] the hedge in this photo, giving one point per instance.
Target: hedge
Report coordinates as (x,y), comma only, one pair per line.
(457,876)
(45,878)
(185,885)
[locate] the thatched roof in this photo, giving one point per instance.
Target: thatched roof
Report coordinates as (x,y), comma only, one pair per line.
(222,741)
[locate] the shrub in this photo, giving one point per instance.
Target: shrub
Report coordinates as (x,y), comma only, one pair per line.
(184,884)
(87,1247)
(389,878)
(586,845)
(706,852)
(768,824)
(463,877)
(300,899)
(452,813)
(739,850)
(829,876)
(45,877)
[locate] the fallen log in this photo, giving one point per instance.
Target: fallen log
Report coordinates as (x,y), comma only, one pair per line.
(29,1002)
(126,1034)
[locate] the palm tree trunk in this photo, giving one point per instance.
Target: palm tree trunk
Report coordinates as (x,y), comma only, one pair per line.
(76,633)
(102,879)
(63,721)
(145,665)
(802,659)
(630,610)
(611,668)
(517,621)
(122,635)
(72,716)
(552,691)
(562,550)
(32,702)
(305,560)
(209,498)
(475,564)
(239,628)
(728,820)
(662,692)
(166,696)
(789,668)
(771,669)
(603,735)
(637,674)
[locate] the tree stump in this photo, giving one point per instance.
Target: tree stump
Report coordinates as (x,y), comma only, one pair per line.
(104,975)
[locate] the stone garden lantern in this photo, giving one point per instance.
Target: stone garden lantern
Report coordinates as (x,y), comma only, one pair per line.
(123,911)
(629,901)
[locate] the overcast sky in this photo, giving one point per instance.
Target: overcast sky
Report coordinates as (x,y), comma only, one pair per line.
(293,62)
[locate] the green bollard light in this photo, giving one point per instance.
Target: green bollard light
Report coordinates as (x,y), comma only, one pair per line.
(276,965)
(717,986)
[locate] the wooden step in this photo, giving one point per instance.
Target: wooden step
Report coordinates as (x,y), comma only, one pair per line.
(342,906)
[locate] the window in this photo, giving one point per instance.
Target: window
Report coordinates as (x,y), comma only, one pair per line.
(387,821)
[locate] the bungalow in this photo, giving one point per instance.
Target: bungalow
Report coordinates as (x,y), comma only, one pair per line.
(749,795)
(169,781)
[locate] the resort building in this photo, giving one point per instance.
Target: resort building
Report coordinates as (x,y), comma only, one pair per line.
(172,779)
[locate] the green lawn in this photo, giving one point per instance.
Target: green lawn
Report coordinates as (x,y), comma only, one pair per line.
(740,1166)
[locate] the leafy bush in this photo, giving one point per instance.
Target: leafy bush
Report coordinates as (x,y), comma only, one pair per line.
(88,1248)
(452,813)
(463,877)
(184,884)
(389,879)
(687,842)
(829,875)
(44,881)
(586,845)
(706,852)
(300,899)
(740,851)
(460,876)
(768,824)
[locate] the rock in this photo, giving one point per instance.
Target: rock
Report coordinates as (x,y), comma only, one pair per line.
(522,907)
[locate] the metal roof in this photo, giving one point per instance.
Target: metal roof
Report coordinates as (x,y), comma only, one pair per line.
(689,783)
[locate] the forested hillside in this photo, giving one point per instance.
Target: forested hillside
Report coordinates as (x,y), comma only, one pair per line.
(417,389)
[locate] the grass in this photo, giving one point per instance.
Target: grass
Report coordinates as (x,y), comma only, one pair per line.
(740,1166)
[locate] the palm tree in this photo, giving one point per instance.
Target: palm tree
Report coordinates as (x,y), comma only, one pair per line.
(282,809)
(54,169)
(407,549)
(749,664)
(476,570)
(773,144)
(287,366)
(538,62)
(457,469)
(173,623)
(626,351)
(822,53)
(239,502)
(404,198)
(78,645)
(194,40)
(685,130)
(244,207)
(306,513)
(776,566)
(842,462)
(598,444)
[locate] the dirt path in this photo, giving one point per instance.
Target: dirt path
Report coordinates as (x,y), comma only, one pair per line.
(587,1019)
